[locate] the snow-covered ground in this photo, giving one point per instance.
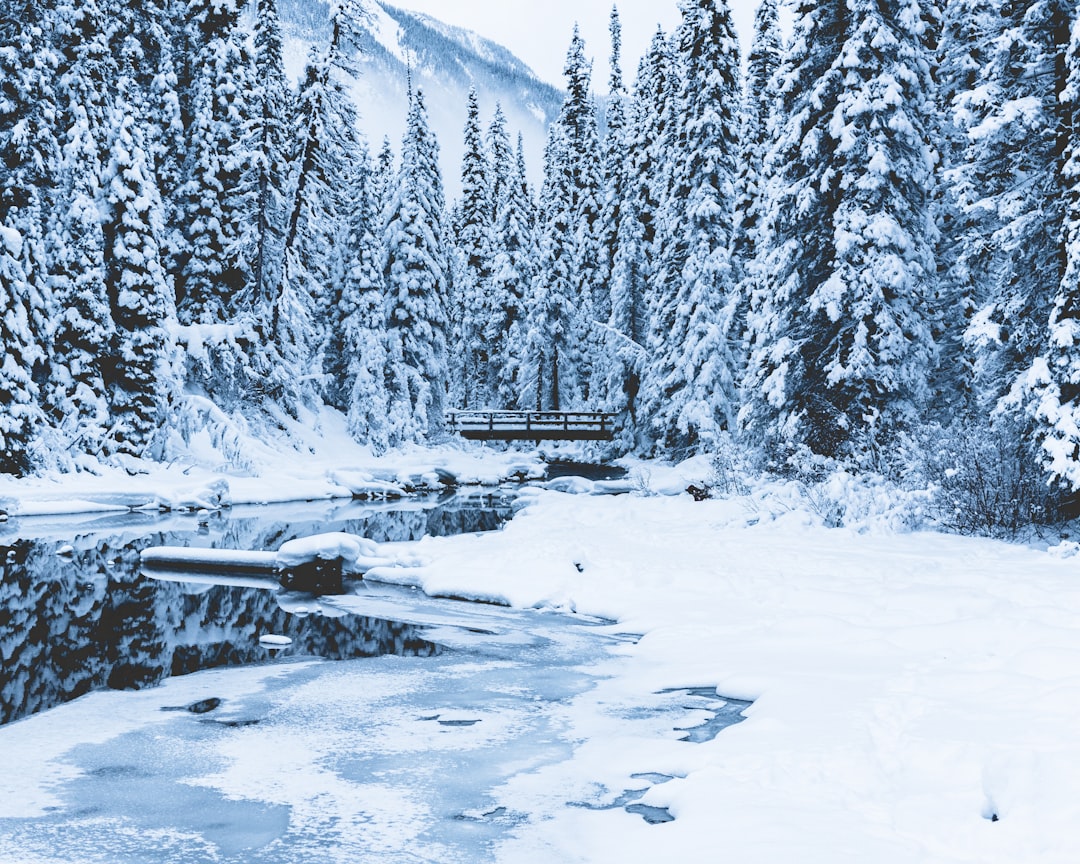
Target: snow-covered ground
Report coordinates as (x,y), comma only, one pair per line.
(915,695)
(315,460)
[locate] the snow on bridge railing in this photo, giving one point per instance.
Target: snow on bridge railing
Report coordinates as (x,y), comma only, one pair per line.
(531,425)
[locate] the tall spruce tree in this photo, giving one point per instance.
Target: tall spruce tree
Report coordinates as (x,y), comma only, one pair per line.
(552,377)
(513,262)
(271,142)
(504,250)
(759,99)
(1011,252)
(636,253)
(579,123)
(363,320)
(688,396)
(138,372)
(1053,376)
(75,394)
(28,180)
(470,308)
(568,287)
(415,274)
(218,203)
(842,343)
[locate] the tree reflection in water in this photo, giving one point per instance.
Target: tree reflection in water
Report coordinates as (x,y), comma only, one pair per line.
(70,624)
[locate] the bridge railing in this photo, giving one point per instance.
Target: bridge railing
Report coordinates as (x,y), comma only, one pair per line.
(507,425)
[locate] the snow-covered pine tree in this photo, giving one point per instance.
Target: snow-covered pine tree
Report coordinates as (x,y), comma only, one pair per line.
(415,274)
(149,42)
(585,155)
(759,99)
(28,176)
(1054,375)
(75,396)
(500,155)
(614,179)
(688,395)
(218,205)
(615,374)
(21,416)
(469,305)
(567,286)
(1011,233)
(636,252)
(383,177)
(551,376)
(341,177)
(513,261)
(307,317)
(842,342)
(137,372)
(272,143)
(363,320)
(965,42)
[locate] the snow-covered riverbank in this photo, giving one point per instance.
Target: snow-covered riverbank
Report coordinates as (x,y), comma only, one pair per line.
(915,695)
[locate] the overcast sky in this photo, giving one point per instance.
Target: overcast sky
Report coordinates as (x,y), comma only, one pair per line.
(539,31)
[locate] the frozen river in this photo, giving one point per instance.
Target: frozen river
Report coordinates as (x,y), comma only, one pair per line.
(396,728)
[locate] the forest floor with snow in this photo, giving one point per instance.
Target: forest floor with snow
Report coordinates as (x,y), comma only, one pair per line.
(915,694)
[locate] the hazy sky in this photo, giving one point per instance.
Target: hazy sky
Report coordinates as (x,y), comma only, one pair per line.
(539,31)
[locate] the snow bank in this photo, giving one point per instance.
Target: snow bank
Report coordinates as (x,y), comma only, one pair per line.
(915,694)
(331,465)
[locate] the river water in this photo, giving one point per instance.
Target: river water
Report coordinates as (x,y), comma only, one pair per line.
(406,747)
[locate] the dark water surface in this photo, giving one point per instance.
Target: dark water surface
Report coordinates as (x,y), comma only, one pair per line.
(76,614)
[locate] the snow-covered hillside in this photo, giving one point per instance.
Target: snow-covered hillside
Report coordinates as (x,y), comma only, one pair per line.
(445,61)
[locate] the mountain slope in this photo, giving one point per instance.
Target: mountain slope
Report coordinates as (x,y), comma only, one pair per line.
(445,61)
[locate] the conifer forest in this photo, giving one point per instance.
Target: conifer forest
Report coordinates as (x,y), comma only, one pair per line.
(859,247)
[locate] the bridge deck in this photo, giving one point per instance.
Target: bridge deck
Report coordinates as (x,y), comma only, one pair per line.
(531,425)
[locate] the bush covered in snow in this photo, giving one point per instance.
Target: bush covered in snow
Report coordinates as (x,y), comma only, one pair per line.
(985,480)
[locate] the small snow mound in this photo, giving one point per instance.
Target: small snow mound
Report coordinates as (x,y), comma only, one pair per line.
(364,486)
(326,547)
(1065,549)
(275,641)
(571,485)
(66,551)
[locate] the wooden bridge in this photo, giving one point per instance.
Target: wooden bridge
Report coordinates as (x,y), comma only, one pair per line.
(531,425)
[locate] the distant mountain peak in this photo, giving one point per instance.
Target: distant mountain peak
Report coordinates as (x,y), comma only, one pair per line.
(446,61)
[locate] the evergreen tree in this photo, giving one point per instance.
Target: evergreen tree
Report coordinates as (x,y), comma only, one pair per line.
(415,274)
(842,342)
(501,164)
(470,308)
(614,180)
(966,37)
(617,362)
(271,142)
(20,417)
(1054,375)
(758,106)
(513,260)
(383,177)
(636,253)
(28,178)
(1012,255)
(218,203)
(307,317)
(578,120)
(138,370)
(75,395)
(363,319)
(568,286)
(551,379)
(688,396)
